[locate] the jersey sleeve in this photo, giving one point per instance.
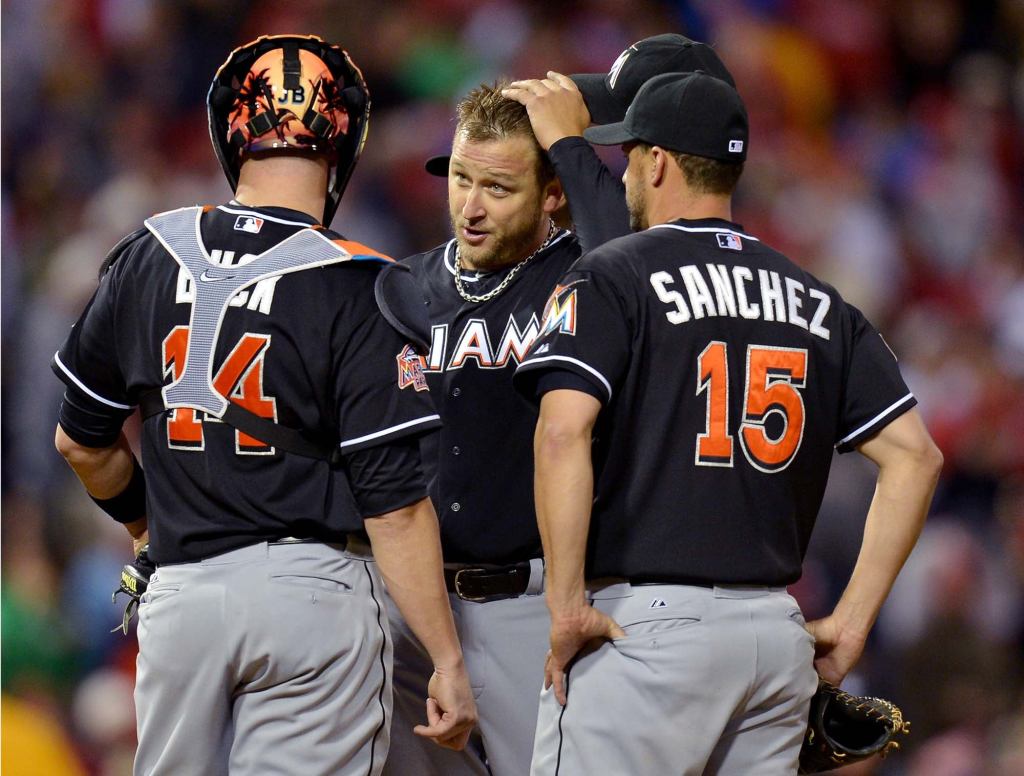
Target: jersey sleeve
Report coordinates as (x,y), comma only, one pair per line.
(586,331)
(875,393)
(87,362)
(386,477)
(380,389)
(597,198)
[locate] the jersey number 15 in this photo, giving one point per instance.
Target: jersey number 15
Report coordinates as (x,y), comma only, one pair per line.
(774,377)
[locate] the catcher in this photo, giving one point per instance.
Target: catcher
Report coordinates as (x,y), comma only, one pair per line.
(282,408)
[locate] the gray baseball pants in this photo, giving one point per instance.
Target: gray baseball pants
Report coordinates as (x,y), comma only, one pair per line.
(271,659)
(504,644)
(706,681)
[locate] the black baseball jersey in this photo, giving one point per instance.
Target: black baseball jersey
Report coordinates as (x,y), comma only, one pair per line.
(480,463)
(727,375)
(308,350)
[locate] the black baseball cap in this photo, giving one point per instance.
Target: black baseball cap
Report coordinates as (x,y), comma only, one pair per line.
(437,165)
(692,113)
(608,95)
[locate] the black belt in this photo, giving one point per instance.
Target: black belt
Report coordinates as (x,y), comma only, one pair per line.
(482,585)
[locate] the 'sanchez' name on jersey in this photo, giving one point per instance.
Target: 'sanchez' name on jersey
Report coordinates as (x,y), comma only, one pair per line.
(718,289)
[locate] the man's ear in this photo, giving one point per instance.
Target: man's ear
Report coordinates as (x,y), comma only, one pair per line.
(659,165)
(554,197)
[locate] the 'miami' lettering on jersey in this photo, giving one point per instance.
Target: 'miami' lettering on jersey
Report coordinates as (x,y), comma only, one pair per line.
(729,290)
(474,343)
(259,298)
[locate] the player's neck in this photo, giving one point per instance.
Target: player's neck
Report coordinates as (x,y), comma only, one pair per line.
(685,203)
(293,182)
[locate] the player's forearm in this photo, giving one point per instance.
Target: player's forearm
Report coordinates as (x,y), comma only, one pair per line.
(104,471)
(906,481)
(564,488)
(407,548)
(597,198)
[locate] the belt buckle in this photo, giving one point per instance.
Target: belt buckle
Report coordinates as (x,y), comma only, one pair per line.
(458,586)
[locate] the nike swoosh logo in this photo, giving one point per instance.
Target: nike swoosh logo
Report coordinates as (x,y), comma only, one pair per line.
(208,279)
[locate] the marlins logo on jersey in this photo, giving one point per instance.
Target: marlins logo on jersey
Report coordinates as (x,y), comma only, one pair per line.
(560,310)
(410,369)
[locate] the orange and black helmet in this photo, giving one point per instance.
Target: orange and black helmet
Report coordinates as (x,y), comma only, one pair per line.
(290,93)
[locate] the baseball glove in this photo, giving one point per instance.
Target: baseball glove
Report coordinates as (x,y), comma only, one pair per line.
(844,729)
(134,581)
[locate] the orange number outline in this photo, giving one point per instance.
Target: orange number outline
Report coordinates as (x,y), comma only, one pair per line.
(774,377)
(714,447)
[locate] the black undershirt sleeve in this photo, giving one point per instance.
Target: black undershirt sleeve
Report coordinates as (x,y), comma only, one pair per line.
(88,422)
(597,198)
(386,477)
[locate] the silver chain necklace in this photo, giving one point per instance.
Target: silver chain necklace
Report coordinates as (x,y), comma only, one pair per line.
(552,229)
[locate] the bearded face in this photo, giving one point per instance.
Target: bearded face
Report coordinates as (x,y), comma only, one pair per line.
(495,201)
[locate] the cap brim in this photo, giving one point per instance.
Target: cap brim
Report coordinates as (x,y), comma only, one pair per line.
(437,165)
(603,108)
(609,134)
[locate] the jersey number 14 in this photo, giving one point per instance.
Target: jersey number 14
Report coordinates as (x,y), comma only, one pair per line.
(774,377)
(239,379)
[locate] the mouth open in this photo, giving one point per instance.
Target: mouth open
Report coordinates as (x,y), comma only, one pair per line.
(473,236)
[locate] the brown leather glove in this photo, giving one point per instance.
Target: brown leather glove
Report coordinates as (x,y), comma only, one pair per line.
(844,729)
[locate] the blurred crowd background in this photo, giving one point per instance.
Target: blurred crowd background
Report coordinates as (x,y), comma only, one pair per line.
(887,156)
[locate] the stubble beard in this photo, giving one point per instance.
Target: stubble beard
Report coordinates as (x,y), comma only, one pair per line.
(636,203)
(508,249)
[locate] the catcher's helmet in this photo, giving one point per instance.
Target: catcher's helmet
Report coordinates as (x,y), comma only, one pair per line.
(290,93)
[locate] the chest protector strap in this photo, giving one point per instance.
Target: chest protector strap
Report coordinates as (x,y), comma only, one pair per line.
(215,286)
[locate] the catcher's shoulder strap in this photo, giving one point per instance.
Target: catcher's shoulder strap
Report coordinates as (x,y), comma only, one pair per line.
(292,440)
(215,286)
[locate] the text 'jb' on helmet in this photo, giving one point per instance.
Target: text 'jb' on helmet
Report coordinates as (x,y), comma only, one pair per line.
(290,93)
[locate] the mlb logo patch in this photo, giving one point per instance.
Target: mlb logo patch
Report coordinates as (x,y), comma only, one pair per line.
(735,146)
(250,224)
(729,240)
(410,369)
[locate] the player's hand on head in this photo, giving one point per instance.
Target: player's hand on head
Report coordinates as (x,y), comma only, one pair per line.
(554,104)
(836,649)
(569,634)
(451,710)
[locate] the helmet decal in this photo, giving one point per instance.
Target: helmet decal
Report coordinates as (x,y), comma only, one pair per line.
(268,114)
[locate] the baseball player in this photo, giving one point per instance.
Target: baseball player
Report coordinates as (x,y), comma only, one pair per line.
(693,383)
(486,289)
(282,406)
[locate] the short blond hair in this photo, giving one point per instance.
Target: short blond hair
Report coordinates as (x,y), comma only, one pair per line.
(484,114)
